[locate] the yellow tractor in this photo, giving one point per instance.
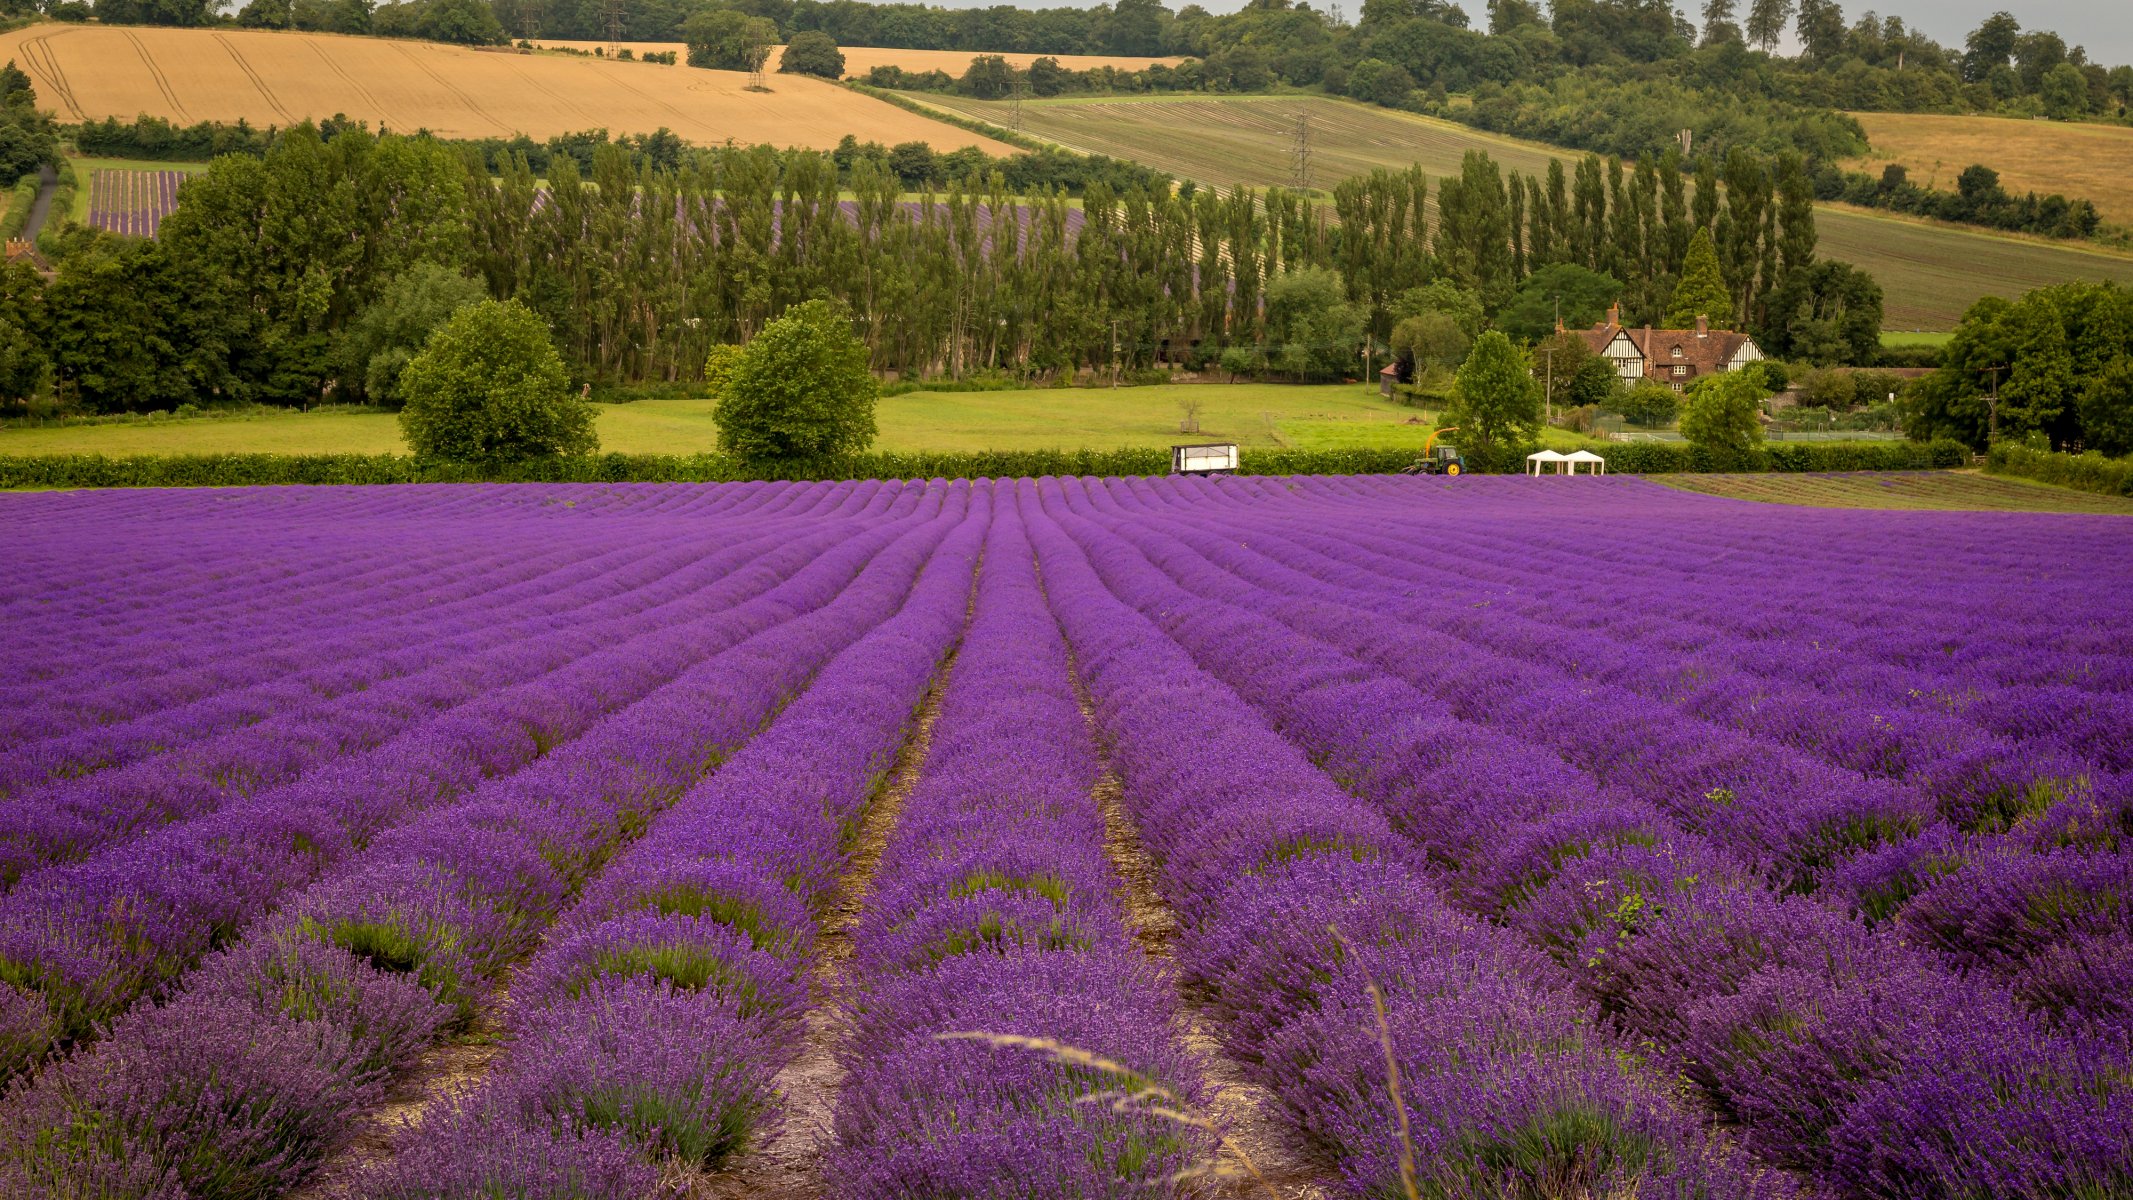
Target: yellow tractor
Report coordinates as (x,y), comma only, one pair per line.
(1436,459)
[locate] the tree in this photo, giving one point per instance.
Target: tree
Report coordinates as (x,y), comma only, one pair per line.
(1718,24)
(1702,291)
(989,77)
(2106,409)
(1432,338)
(490,388)
(1581,296)
(24,363)
(801,390)
(719,366)
(1766,21)
(1829,313)
(1498,409)
(388,333)
(1313,332)
(2065,92)
(725,39)
(464,22)
(1723,416)
(1990,46)
(1650,404)
(812,52)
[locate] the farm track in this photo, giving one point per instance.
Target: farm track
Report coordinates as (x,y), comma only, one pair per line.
(788,1165)
(458,93)
(38,53)
(156,73)
(369,99)
(265,92)
(1240,1106)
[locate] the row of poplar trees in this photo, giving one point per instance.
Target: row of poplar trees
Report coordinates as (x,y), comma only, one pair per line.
(271,268)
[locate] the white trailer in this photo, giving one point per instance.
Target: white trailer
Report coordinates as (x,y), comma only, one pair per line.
(1203,460)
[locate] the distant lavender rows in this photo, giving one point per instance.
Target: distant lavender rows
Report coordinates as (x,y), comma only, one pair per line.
(1700,847)
(132,202)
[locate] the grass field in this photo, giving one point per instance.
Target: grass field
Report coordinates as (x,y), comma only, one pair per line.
(188,75)
(858,60)
(2076,160)
(1929,272)
(1940,490)
(1905,337)
(1259,415)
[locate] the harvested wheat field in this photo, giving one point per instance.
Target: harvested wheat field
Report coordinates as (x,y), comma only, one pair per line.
(188,75)
(2078,161)
(858,60)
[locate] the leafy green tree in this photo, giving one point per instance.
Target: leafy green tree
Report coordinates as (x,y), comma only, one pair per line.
(1829,313)
(1433,339)
(462,22)
(1650,404)
(2106,409)
(1723,416)
(725,39)
(1702,291)
(2065,92)
(989,78)
(115,328)
(24,362)
(1313,332)
(490,388)
(388,333)
(812,52)
(719,366)
(1498,409)
(801,390)
(1579,294)
(1441,295)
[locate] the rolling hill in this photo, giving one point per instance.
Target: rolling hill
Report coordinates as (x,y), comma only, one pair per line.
(1930,272)
(89,72)
(2091,162)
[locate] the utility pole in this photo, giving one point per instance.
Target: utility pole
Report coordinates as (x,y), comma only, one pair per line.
(1992,403)
(1114,352)
(611,10)
(1548,388)
(1300,152)
(1014,105)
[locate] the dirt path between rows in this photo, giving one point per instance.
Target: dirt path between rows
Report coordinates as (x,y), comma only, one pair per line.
(787,1166)
(443,1072)
(1241,1107)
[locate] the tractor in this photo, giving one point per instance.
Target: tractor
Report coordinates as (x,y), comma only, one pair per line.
(1436,459)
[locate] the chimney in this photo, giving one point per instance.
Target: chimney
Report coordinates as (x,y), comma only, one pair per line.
(1614,314)
(1703,326)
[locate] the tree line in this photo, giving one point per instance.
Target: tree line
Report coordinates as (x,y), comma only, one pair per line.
(2054,367)
(283,278)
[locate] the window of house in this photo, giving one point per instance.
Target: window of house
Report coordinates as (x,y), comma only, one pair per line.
(1677,352)
(1680,371)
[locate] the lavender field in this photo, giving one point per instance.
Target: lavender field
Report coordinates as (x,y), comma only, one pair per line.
(132,202)
(627,841)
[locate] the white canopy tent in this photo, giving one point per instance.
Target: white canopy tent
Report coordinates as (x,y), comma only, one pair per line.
(1596,464)
(1548,458)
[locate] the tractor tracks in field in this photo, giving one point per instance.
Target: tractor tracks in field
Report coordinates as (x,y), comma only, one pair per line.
(787,1166)
(37,52)
(377,110)
(473,106)
(162,81)
(1239,1106)
(266,93)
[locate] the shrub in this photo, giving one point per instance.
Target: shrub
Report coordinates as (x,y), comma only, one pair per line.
(1650,404)
(1722,417)
(489,388)
(800,391)
(2090,472)
(812,52)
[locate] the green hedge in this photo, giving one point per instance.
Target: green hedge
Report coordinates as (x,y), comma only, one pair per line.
(18,208)
(1666,458)
(2090,472)
(245,470)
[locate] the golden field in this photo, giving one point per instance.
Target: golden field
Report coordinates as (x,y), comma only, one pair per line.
(858,60)
(2092,162)
(89,72)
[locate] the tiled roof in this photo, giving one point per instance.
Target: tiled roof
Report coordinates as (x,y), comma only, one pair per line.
(1704,352)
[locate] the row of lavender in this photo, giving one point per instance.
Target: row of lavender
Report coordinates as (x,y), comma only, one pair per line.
(1612,911)
(132,202)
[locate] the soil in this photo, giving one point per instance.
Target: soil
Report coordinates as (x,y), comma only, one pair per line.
(445,1071)
(1252,1141)
(787,1167)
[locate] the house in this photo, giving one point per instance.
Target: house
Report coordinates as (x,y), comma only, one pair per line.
(1676,357)
(1388,379)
